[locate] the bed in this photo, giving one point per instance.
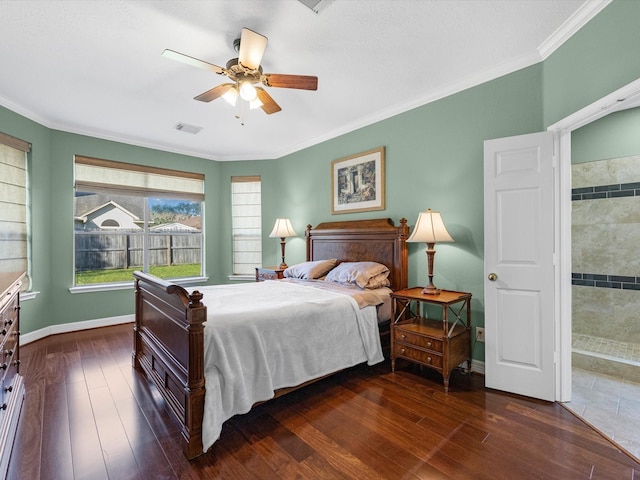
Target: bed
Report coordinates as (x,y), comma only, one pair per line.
(169,330)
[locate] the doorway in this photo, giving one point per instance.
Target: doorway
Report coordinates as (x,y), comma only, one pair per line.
(622,98)
(605,359)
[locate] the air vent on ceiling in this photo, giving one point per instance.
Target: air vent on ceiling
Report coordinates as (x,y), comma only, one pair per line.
(185,127)
(316,5)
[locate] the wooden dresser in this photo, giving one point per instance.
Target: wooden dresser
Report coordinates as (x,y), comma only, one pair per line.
(12,385)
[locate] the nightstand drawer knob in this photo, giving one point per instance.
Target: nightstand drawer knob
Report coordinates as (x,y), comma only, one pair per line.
(428,344)
(429,359)
(403,336)
(403,351)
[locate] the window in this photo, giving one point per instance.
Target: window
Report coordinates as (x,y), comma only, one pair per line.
(15,235)
(130,217)
(246,224)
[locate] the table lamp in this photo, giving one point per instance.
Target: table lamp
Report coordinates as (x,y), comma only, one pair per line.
(431,230)
(282,229)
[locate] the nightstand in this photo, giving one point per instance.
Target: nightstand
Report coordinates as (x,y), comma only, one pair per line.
(269,273)
(438,343)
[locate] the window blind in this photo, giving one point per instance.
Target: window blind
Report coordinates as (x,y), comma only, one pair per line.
(14,206)
(119,178)
(246,217)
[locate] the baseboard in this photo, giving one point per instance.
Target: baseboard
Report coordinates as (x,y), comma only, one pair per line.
(477,366)
(74,327)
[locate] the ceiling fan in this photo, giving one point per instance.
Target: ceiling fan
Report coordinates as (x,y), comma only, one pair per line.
(246,74)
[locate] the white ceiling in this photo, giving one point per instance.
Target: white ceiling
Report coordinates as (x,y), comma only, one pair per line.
(95,67)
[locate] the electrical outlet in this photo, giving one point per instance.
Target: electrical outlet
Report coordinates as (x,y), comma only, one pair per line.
(480,334)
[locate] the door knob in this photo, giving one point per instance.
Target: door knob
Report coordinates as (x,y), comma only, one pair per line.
(492,277)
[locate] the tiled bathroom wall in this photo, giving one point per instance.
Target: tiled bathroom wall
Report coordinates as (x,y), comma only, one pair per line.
(606,248)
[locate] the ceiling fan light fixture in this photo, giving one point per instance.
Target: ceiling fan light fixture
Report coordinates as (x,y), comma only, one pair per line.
(231,96)
(247,91)
(246,77)
(255,103)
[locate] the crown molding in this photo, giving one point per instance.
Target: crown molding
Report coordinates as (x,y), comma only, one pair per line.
(579,19)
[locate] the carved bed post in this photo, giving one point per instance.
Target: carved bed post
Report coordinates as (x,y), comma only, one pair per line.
(194,389)
(307,234)
(136,345)
(402,255)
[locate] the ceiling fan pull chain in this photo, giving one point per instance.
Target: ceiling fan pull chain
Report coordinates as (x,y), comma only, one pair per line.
(241,107)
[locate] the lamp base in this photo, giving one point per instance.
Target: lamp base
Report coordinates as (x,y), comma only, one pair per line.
(283,266)
(430,290)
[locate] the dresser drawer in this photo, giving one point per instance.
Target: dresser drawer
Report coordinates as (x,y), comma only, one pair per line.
(8,336)
(418,340)
(9,370)
(9,314)
(9,348)
(8,392)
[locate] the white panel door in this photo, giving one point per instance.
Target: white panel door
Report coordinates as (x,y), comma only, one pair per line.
(519,265)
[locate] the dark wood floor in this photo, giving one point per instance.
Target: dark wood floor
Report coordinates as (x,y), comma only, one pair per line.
(88,415)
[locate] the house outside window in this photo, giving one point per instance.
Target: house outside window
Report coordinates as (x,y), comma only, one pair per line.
(15,231)
(246,219)
(130,217)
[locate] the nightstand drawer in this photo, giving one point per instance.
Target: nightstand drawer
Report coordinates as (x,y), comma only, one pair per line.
(428,343)
(427,358)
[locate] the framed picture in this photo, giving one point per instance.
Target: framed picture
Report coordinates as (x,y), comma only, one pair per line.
(357,182)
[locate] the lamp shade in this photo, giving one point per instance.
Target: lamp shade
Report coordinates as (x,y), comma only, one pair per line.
(283,229)
(430,229)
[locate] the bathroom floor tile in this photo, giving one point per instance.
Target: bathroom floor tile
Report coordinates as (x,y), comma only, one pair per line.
(610,405)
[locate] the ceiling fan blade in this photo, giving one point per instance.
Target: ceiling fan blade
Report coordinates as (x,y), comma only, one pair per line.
(252,46)
(214,93)
(302,82)
(269,105)
(181,57)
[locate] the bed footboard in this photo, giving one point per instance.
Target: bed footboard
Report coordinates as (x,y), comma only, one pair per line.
(168,345)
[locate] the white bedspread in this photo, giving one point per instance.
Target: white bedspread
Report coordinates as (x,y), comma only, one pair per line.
(263,336)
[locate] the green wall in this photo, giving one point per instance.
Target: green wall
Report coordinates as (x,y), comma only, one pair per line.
(597,60)
(36,312)
(613,136)
(434,157)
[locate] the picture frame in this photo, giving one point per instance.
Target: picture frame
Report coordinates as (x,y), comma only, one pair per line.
(358,183)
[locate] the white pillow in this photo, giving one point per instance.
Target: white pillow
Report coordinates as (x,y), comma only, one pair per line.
(363,274)
(310,270)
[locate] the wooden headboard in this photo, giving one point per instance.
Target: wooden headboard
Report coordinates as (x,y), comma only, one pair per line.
(377,240)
